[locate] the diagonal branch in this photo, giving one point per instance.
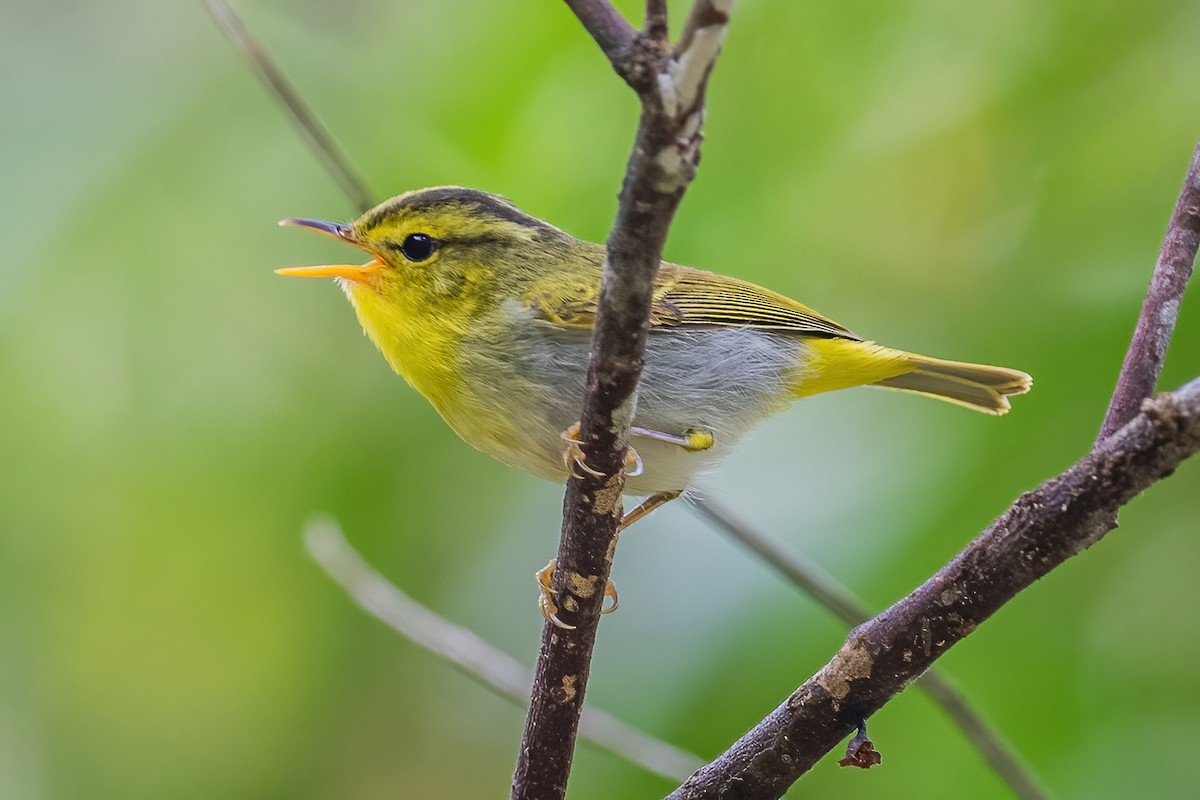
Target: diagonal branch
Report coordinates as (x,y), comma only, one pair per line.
(1039,531)
(471,655)
(998,753)
(612,32)
(806,575)
(1160,309)
(703,34)
(665,154)
(1059,519)
(311,130)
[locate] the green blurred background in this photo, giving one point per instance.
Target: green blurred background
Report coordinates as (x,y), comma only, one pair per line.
(979,181)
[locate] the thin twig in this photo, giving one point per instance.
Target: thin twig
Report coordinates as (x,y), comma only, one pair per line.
(795,567)
(663,162)
(999,754)
(1044,528)
(311,130)
(1160,309)
(655,25)
(471,655)
(611,31)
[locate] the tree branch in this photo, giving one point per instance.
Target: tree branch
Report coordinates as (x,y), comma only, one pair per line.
(315,135)
(1160,309)
(1060,518)
(1042,529)
(662,164)
(998,753)
(471,655)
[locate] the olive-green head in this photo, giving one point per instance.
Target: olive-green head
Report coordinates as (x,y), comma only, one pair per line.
(438,238)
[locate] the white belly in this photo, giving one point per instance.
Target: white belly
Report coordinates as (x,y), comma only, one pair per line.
(725,380)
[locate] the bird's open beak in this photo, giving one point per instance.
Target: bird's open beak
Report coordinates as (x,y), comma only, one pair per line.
(365,273)
(335,229)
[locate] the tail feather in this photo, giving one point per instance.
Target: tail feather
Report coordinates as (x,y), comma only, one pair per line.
(976,386)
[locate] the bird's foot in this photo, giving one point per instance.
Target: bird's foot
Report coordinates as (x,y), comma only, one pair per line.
(575,459)
(548,599)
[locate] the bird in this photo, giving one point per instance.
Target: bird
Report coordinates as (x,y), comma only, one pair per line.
(488,313)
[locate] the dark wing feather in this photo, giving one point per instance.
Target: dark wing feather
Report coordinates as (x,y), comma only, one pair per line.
(687,298)
(703,299)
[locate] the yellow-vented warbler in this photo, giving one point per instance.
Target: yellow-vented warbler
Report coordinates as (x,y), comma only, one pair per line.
(488,313)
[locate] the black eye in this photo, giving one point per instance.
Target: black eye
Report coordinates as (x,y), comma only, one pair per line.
(418,246)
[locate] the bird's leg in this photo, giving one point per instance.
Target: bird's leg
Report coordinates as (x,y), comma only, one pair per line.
(547,600)
(642,509)
(693,439)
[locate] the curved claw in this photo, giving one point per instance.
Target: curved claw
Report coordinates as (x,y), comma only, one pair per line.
(550,614)
(546,599)
(610,593)
(575,459)
(573,456)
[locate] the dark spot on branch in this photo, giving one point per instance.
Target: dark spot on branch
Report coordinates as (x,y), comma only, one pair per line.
(711,16)
(861,752)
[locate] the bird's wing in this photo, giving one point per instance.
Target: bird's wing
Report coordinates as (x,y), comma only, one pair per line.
(691,299)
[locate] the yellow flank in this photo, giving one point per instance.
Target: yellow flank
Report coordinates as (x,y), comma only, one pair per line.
(488,312)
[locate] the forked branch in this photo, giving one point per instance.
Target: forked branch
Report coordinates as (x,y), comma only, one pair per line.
(666,151)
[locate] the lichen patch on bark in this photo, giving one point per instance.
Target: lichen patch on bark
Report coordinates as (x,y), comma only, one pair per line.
(580,585)
(568,687)
(608,498)
(852,662)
